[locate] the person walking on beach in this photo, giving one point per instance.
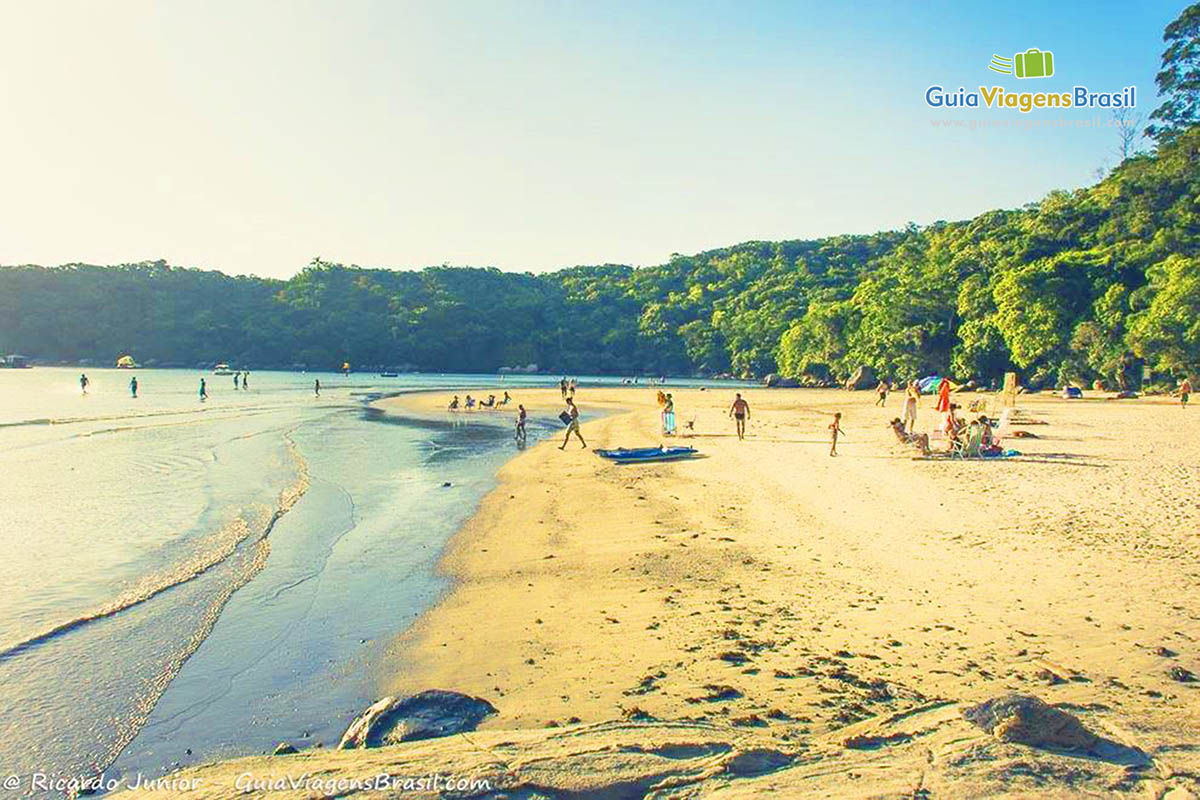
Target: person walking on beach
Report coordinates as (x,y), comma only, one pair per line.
(246,381)
(835,428)
(133,386)
(571,417)
(83,382)
(520,435)
(911,395)
(668,416)
(740,411)
(237,376)
(562,387)
(203,391)
(1185,390)
(317,387)
(882,391)
(943,403)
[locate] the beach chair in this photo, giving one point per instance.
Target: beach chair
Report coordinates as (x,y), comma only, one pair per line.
(958,448)
(969,445)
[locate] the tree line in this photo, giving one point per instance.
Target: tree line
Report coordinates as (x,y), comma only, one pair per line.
(1082,285)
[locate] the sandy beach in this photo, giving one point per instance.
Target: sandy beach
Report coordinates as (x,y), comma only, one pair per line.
(767,619)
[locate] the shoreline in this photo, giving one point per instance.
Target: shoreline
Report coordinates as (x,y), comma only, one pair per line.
(769,598)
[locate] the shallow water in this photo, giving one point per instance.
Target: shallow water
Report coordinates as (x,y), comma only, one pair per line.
(215,577)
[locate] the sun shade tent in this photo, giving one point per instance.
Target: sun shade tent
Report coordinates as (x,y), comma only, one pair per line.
(126,362)
(933,384)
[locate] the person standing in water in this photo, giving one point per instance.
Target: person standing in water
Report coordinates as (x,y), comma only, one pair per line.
(520,436)
(83,382)
(740,411)
(572,420)
(203,391)
(317,387)
(835,428)
(133,386)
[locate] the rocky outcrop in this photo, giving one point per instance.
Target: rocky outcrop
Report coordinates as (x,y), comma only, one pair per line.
(426,715)
(863,378)
(774,381)
(1025,719)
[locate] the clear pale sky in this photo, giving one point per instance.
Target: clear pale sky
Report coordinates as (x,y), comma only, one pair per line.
(250,136)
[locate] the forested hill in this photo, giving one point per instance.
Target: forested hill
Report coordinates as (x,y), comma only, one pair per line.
(1071,287)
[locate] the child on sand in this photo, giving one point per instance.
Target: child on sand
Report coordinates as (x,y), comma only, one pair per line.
(1185,391)
(835,428)
(912,394)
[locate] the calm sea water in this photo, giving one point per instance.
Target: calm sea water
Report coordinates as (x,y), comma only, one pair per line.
(187,580)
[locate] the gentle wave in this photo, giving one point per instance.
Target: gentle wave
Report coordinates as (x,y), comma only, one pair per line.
(232,536)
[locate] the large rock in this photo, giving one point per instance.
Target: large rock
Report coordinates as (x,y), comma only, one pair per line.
(774,381)
(1025,719)
(427,715)
(863,378)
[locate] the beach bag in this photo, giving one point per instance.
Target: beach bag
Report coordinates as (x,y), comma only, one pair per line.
(565,417)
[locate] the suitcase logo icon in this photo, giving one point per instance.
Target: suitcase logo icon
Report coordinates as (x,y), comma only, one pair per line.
(1033,63)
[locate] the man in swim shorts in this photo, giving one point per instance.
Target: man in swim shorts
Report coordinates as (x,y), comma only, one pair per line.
(740,411)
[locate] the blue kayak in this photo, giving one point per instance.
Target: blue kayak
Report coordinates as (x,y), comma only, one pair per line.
(640,455)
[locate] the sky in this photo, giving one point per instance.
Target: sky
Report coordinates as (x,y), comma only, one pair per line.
(251,136)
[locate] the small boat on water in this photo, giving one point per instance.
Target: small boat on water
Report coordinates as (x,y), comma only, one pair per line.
(389,374)
(639,455)
(222,369)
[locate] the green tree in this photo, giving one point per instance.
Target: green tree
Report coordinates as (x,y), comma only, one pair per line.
(1179,79)
(1167,331)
